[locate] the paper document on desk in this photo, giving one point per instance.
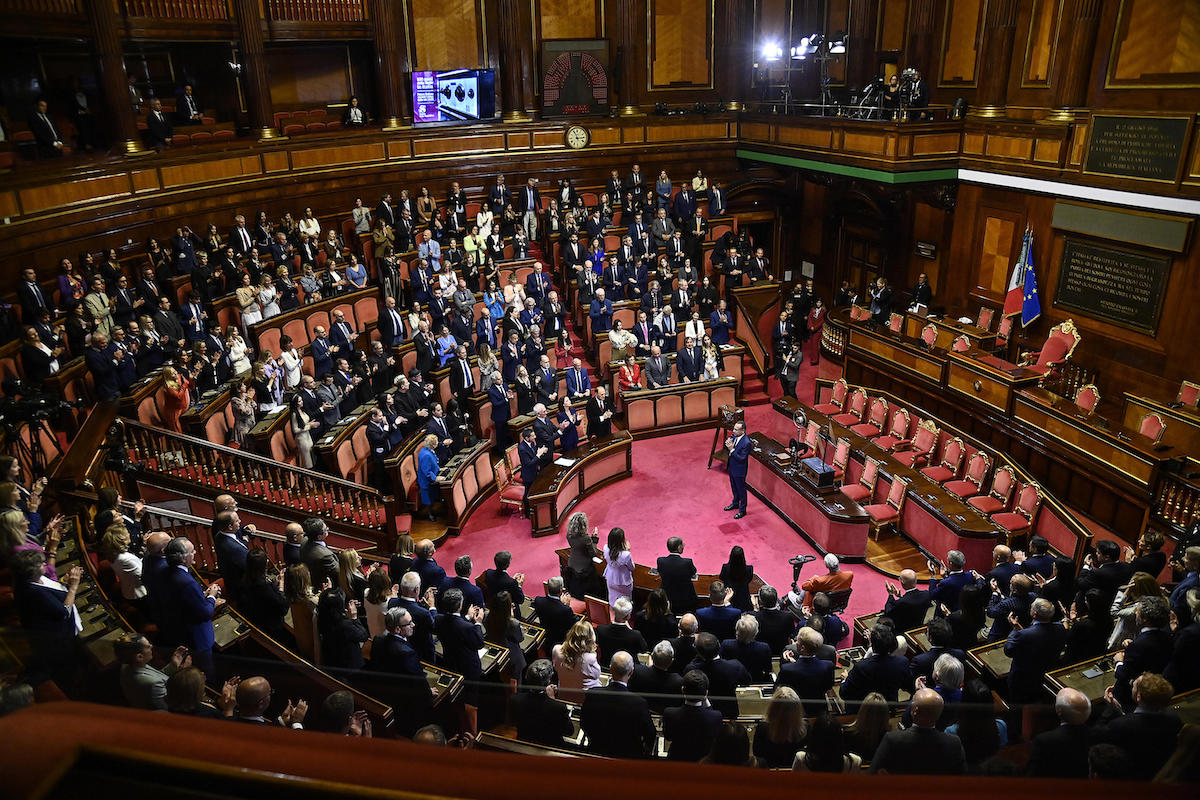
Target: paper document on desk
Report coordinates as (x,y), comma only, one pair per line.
(966,320)
(564,462)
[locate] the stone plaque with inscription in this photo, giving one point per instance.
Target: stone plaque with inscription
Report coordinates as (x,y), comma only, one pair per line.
(1136,147)
(1124,287)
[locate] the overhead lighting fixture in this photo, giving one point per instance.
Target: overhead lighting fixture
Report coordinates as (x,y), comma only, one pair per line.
(772,51)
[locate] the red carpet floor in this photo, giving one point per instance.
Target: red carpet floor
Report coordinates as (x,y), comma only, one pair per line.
(670,494)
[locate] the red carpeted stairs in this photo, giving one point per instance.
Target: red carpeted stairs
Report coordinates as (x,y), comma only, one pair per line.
(754,385)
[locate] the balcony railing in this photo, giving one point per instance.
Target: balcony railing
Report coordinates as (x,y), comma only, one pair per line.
(178,9)
(316,10)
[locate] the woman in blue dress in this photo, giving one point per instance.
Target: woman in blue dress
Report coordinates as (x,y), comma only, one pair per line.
(427,472)
(446,344)
(356,273)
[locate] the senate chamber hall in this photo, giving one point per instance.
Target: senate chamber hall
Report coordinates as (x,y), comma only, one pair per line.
(739,388)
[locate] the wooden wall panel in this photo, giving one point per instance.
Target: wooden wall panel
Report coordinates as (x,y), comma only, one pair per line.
(961,41)
(309,76)
(1157,42)
(772,25)
(680,44)
(447,34)
(997,251)
(569,19)
(1044,20)
(837,18)
(892,14)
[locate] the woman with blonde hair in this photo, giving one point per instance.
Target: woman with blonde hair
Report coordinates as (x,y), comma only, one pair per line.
(243,406)
(781,734)
(247,298)
(298,591)
(575,662)
(402,559)
(176,397)
(15,538)
(873,720)
(114,545)
(237,350)
(1124,606)
(350,577)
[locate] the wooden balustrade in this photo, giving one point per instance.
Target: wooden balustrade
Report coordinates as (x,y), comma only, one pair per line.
(316,10)
(1177,502)
(43,6)
(188,460)
(1067,379)
(834,336)
(178,9)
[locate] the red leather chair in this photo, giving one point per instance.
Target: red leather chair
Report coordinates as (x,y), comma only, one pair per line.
(1152,427)
(837,398)
(1003,331)
(811,438)
(971,483)
(961,344)
(897,434)
(1189,394)
(841,457)
(876,420)
(887,513)
(856,406)
(1087,398)
(929,335)
(859,313)
(1019,521)
(1059,346)
(1003,483)
(952,456)
(985,318)
(511,494)
(865,488)
(895,323)
(916,451)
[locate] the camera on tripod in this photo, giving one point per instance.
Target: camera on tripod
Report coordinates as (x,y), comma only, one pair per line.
(21,402)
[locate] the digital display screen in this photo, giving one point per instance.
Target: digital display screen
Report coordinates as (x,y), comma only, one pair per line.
(460,95)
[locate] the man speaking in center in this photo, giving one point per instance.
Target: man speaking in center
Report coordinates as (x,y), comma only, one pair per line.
(738,445)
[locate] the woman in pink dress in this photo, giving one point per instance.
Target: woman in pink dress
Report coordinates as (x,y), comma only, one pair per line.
(619,570)
(575,662)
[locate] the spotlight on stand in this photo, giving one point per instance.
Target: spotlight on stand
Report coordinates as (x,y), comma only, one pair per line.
(772,51)
(837,45)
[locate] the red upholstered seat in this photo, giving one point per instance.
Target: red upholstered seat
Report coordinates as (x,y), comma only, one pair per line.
(888,512)
(1087,398)
(895,323)
(837,398)
(1059,346)
(1003,331)
(841,457)
(859,313)
(897,434)
(985,318)
(856,407)
(961,344)
(876,420)
(1020,519)
(864,490)
(1152,427)
(929,335)
(972,483)
(952,456)
(511,493)
(1003,483)
(1189,394)
(915,452)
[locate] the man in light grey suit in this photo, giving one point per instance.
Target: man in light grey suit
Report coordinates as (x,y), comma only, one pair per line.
(662,228)
(658,368)
(144,686)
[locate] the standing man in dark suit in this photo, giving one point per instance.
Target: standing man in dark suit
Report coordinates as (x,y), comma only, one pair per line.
(423,614)
(539,717)
(738,445)
(776,626)
(677,574)
(599,414)
(498,580)
(618,635)
(921,749)
(810,677)
(882,671)
(1150,731)
(379,439)
(187,609)
(320,560)
(724,676)
(754,655)
(1034,652)
(499,195)
(1149,651)
(501,410)
(946,582)
(159,129)
(461,634)
(656,681)
(616,721)
(1063,751)
(941,641)
(232,548)
(691,728)
(391,324)
(45,133)
(906,605)
(32,298)
(531,462)
(719,618)
(553,611)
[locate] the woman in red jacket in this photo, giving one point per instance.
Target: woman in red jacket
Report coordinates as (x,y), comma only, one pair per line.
(175,397)
(815,322)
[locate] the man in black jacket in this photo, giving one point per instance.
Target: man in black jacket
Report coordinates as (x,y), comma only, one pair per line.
(553,611)
(906,605)
(776,626)
(882,671)
(462,638)
(655,681)
(616,721)
(724,676)
(540,718)
(691,728)
(1063,751)
(1149,651)
(684,644)
(922,749)
(754,655)
(498,580)
(676,574)
(618,636)
(1149,732)
(405,685)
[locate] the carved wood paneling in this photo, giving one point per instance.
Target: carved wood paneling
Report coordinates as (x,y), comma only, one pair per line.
(447,34)
(1044,22)
(961,45)
(1156,44)
(891,24)
(681,42)
(568,19)
(997,249)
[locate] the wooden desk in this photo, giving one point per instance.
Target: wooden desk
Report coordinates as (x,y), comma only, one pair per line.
(646,579)
(446,685)
(832,523)
(1072,677)
(1134,458)
(1183,424)
(908,355)
(934,519)
(466,481)
(990,661)
(557,489)
(678,407)
(987,380)
(949,329)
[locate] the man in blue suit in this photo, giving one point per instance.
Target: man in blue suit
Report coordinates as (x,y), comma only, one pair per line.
(462,581)
(485,330)
(719,618)
(601,313)
(501,410)
(882,671)
(187,609)
(424,619)
(461,635)
(427,472)
(537,285)
(724,676)
(1034,651)
(684,206)
(579,385)
(231,552)
(322,353)
(738,445)
(101,360)
(948,581)
(754,655)
(531,461)
(342,334)
(809,676)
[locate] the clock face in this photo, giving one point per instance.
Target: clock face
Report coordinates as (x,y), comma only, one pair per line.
(577,137)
